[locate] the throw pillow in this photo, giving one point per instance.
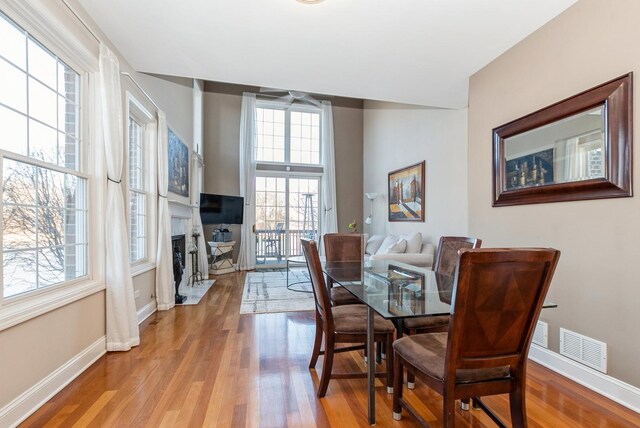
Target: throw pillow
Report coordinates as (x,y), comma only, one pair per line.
(389,240)
(414,242)
(397,248)
(373,244)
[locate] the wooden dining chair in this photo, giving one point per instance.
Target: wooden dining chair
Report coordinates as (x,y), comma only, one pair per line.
(445,263)
(341,324)
(342,247)
(498,295)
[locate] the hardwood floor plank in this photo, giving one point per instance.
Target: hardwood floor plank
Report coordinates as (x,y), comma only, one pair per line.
(206,365)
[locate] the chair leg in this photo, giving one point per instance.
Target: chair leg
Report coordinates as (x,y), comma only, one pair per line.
(411,379)
(398,373)
(449,411)
(518,406)
(379,353)
(327,365)
(390,368)
(317,343)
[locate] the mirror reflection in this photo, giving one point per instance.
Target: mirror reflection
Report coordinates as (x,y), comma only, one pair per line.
(571,149)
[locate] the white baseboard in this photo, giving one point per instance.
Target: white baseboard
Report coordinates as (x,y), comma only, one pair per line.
(612,388)
(33,398)
(146,311)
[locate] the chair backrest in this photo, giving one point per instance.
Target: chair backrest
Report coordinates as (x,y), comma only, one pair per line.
(344,247)
(320,293)
(497,298)
(447,255)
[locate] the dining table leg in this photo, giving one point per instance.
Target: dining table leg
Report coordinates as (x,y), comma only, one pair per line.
(371,366)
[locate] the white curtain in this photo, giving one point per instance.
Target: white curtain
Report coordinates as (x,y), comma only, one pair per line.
(247,256)
(196,183)
(571,160)
(328,210)
(122,320)
(165,289)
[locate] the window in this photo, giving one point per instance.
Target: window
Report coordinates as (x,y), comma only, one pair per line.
(44,190)
(141,180)
(288,134)
(137,194)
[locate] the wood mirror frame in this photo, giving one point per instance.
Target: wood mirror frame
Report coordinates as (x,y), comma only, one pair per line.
(615,99)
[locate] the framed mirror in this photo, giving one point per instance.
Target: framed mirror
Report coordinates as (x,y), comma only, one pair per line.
(576,149)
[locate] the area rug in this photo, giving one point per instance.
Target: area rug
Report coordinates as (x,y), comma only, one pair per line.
(196,291)
(266,292)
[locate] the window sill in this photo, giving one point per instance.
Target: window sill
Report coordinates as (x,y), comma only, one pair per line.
(141,267)
(19,311)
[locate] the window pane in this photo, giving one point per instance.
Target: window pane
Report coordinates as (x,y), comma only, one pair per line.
(75,261)
(19,272)
(68,83)
(14,130)
(42,65)
(67,117)
(50,188)
(43,142)
(18,227)
(75,191)
(14,42)
(68,151)
(13,86)
(50,226)
(50,266)
(43,103)
(19,183)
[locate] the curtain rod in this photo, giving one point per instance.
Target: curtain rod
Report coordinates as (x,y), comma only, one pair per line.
(124,73)
(84,24)
(95,36)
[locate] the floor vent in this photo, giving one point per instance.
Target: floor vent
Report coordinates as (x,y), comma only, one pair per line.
(583,349)
(541,334)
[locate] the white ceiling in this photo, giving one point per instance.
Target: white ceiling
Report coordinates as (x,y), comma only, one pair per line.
(409,51)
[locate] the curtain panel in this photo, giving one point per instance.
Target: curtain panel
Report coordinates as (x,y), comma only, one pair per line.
(328,210)
(122,320)
(247,256)
(165,294)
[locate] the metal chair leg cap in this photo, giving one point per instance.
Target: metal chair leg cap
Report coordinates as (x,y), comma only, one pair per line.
(464,406)
(411,385)
(389,389)
(397,416)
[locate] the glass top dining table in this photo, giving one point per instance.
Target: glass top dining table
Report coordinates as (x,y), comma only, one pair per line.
(395,291)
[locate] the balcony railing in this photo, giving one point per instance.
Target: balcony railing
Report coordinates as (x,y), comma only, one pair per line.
(271,245)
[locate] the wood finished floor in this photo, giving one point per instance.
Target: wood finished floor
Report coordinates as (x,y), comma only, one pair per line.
(206,365)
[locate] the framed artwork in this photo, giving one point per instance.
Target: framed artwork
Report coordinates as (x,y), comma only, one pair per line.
(406,193)
(178,165)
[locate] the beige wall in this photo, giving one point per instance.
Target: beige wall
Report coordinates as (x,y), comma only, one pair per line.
(399,135)
(596,283)
(221,155)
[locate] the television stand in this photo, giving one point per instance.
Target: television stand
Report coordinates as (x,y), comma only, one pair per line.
(221,260)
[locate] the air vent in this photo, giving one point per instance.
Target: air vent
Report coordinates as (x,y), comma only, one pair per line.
(541,334)
(583,349)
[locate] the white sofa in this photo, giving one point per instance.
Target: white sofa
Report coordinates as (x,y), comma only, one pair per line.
(401,248)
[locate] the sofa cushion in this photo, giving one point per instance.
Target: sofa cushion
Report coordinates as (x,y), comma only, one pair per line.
(397,248)
(414,242)
(373,244)
(389,240)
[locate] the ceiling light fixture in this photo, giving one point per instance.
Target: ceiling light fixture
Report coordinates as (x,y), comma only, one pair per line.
(310,1)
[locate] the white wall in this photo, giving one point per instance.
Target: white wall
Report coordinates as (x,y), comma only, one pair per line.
(398,135)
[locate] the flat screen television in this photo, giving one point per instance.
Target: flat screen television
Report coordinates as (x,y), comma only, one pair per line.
(221,209)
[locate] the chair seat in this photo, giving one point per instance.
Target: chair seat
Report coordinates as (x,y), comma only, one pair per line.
(352,319)
(340,296)
(426,322)
(426,352)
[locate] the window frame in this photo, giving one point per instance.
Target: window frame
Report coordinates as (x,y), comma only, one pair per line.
(287,164)
(136,110)
(49,31)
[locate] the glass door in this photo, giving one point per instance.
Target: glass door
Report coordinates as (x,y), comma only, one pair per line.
(286,210)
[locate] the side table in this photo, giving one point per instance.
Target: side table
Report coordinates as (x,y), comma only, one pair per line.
(221,261)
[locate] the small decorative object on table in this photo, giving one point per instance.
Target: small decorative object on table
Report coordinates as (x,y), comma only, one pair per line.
(353,226)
